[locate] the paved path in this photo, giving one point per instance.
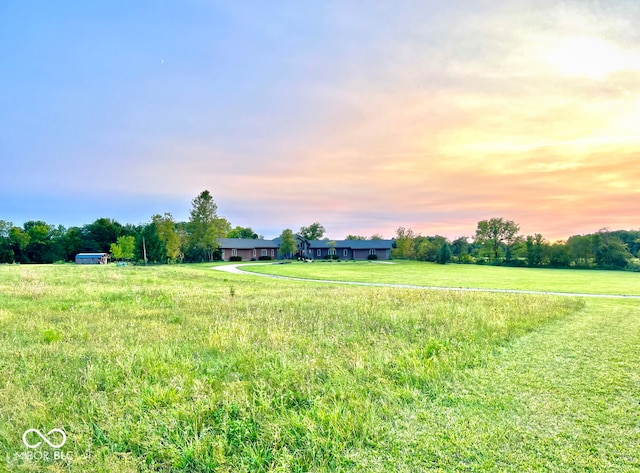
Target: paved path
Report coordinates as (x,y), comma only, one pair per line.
(235,269)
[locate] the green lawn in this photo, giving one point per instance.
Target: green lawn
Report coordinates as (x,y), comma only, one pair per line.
(461,275)
(181,368)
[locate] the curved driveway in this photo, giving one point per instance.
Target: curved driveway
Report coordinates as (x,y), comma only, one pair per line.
(235,269)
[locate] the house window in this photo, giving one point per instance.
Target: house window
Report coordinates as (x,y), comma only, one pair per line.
(234,252)
(264,252)
(254,252)
(319,253)
(272,253)
(332,251)
(345,253)
(222,254)
(372,251)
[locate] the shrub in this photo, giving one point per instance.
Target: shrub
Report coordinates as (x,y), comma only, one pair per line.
(372,257)
(265,258)
(465,259)
(634,266)
(235,258)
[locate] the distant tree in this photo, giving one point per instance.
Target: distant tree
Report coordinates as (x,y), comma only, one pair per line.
(204,228)
(534,246)
(71,243)
(149,242)
(287,243)
(18,242)
(168,235)
(424,249)
(512,242)
(123,249)
(100,234)
(116,251)
(404,244)
(581,249)
(495,233)
(243,232)
(376,236)
(355,237)
(444,254)
(460,246)
(611,252)
(315,231)
(42,247)
(6,253)
(559,256)
(631,238)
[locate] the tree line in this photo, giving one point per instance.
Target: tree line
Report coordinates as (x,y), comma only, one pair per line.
(498,241)
(163,240)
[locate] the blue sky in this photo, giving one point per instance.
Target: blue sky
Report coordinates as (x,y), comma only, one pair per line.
(361,115)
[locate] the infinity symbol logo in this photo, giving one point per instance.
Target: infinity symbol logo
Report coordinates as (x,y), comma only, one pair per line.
(46,439)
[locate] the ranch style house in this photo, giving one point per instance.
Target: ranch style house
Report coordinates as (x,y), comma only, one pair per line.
(310,249)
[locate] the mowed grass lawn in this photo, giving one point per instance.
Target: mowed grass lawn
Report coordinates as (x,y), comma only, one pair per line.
(181,368)
(463,276)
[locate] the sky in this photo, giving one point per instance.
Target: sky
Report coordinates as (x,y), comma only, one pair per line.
(363,116)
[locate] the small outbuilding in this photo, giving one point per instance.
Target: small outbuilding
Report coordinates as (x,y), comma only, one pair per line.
(92,258)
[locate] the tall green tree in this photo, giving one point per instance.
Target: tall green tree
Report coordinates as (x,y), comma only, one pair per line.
(534,248)
(315,231)
(460,246)
(101,233)
(124,248)
(581,249)
(6,253)
(41,247)
(287,243)
(424,249)
(71,243)
(496,234)
(205,227)
(559,256)
(116,251)
(149,242)
(18,241)
(444,254)
(404,244)
(611,252)
(169,236)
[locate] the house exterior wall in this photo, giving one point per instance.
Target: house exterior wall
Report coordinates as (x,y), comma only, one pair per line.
(345,250)
(247,254)
(352,254)
(381,253)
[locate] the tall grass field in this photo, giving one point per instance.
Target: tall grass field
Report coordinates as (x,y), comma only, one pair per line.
(186,369)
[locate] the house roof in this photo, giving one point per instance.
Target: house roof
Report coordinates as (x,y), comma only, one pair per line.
(90,255)
(245,243)
(352,244)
